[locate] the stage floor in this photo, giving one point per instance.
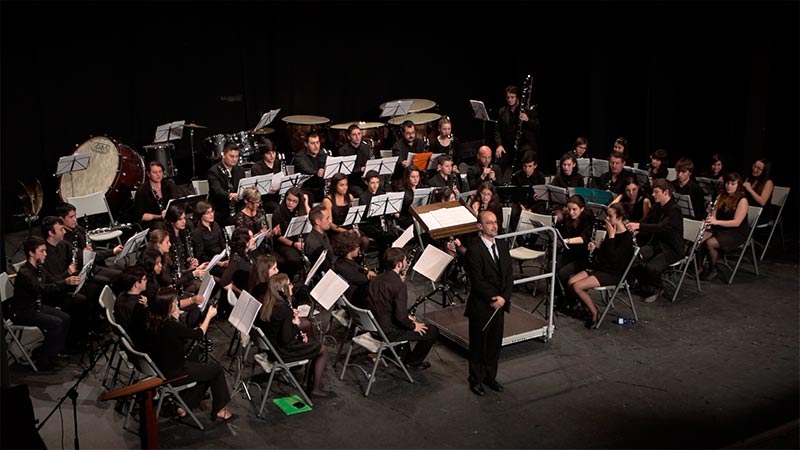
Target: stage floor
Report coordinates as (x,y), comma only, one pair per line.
(520,325)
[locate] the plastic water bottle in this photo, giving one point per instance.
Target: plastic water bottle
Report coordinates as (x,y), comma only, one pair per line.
(624,321)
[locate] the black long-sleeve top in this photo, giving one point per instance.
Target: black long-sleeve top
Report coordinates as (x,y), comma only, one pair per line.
(208,243)
(696,197)
(475,175)
(307,164)
(582,229)
(617,186)
(365,199)
(30,287)
(59,257)
(388,301)
(219,186)
(356,277)
(401,149)
(315,243)
(166,346)
(663,228)
(507,125)
(144,201)
(131,315)
(564,181)
(614,254)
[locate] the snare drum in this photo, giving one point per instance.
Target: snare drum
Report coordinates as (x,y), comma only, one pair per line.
(297,127)
(423,122)
(417,104)
(114,168)
(375,131)
(162,153)
(247,145)
(215,144)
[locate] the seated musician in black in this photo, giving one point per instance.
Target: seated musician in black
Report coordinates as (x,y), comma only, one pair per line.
(311,161)
(486,198)
(614,179)
(289,249)
(151,198)
(237,274)
(253,217)
(527,176)
(483,169)
(658,167)
(378,227)
(268,165)
(410,183)
(29,305)
(388,301)
(685,184)
(568,175)
(74,234)
(223,181)
(358,276)
(130,308)
(317,240)
(208,238)
(409,143)
(445,176)
(575,225)
(660,238)
(356,146)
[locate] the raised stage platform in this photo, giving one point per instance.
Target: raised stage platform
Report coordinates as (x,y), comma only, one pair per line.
(520,325)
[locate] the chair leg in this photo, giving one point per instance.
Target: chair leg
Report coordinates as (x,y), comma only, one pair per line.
(266,393)
(402,366)
(176,396)
(632,303)
(346,360)
(755,260)
(22,349)
(300,389)
(374,369)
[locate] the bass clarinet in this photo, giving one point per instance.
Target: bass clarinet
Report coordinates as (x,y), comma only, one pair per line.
(524,107)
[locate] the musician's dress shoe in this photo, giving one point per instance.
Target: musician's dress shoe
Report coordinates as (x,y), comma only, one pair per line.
(494,385)
(477,389)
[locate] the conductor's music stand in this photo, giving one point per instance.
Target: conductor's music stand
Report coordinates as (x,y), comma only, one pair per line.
(70,164)
(479,112)
(431,265)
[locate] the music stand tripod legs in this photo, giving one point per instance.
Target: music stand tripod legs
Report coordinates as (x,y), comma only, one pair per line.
(445,288)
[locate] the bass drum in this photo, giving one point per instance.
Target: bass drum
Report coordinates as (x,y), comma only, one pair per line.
(114,168)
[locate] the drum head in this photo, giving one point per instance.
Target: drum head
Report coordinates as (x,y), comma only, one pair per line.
(417,104)
(306,120)
(418,119)
(99,175)
(362,125)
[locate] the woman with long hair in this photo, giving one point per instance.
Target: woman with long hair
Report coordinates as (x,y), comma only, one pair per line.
(165,340)
(758,188)
(727,227)
(575,227)
(609,262)
(634,200)
(410,183)
(180,238)
(289,249)
(282,325)
(263,269)
(486,198)
(568,175)
(338,202)
(208,237)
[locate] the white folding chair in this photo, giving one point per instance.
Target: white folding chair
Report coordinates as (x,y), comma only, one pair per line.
(200,187)
(779,195)
(107,300)
(614,289)
(95,204)
(672,174)
(506,217)
(289,169)
(528,221)
(148,369)
(24,338)
(270,360)
(753,213)
(676,272)
(229,231)
(367,333)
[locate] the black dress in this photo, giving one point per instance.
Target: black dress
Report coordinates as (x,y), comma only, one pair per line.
(285,335)
(730,238)
(612,258)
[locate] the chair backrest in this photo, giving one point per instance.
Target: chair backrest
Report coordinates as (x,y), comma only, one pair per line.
(141,361)
(538,219)
(672,175)
(779,194)
(264,344)
(365,319)
(290,169)
(6,288)
(229,231)
(18,265)
(506,217)
(599,237)
(753,213)
(107,299)
(630,264)
(200,186)
(92,204)
(232,297)
(692,229)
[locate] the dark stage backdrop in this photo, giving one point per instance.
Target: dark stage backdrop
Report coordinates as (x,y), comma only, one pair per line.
(694,78)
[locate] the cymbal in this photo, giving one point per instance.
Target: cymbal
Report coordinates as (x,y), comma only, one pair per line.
(265,130)
(193,125)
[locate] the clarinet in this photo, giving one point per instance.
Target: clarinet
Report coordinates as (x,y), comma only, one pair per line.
(633,237)
(427,143)
(75,245)
(39,276)
(229,177)
(86,231)
(711,208)
(176,267)
(189,248)
(282,159)
(371,144)
(411,257)
(594,239)
(159,200)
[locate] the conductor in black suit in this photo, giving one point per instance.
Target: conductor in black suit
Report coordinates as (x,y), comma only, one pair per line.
(488,264)
(223,182)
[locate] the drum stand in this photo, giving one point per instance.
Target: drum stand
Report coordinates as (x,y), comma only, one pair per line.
(191,147)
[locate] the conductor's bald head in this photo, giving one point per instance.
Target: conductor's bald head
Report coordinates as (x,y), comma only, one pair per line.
(487,224)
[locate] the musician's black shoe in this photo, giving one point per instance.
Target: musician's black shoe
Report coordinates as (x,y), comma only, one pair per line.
(494,385)
(420,365)
(477,389)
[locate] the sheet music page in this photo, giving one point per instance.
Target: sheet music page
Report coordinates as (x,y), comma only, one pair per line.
(298,225)
(432,263)
(176,130)
(453,216)
(384,166)
(217,258)
(541,192)
(87,267)
(206,288)
(266,119)
(354,215)
(430,220)
(339,164)
(432,161)
(260,237)
(88,256)
(377,205)
(315,267)
(395,202)
(132,244)
(479,110)
(401,241)
(253,306)
(238,309)
(329,289)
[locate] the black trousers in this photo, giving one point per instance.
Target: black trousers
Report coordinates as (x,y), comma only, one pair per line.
(655,263)
(422,346)
(484,348)
(207,376)
(54,324)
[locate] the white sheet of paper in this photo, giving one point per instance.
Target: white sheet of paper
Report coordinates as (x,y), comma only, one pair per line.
(384,166)
(298,225)
(244,313)
(315,267)
(354,215)
(217,258)
(206,288)
(447,217)
(401,241)
(329,289)
(260,238)
(88,262)
(132,244)
(432,263)
(169,131)
(266,119)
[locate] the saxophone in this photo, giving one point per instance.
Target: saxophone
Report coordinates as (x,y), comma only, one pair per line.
(524,107)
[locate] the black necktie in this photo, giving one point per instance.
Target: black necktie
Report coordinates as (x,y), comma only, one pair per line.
(494,254)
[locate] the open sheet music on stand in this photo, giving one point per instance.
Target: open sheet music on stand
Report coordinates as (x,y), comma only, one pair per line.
(710,186)
(398,108)
(132,244)
(261,182)
(87,267)
(73,163)
(585,167)
(329,288)
(206,288)
(552,194)
(384,166)
(685,202)
(290,181)
(266,119)
(190,201)
(244,313)
(479,110)
(641,175)
(422,196)
(445,219)
(389,203)
(432,263)
(339,164)
(169,131)
(599,166)
(354,215)
(422,161)
(298,225)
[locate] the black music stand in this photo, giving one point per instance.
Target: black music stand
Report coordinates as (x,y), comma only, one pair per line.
(290,181)
(388,203)
(479,112)
(435,262)
(242,317)
(422,196)
(685,202)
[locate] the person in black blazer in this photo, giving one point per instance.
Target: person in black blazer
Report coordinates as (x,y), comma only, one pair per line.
(223,181)
(661,240)
(492,283)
